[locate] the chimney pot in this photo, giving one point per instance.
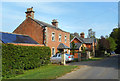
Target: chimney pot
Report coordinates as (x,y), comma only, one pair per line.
(55,22)
(30,12)
(82,35)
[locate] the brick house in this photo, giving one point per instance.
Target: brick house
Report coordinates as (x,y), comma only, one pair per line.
(80,42)
(44,33)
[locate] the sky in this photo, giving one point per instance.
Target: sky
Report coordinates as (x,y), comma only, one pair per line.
(78,17)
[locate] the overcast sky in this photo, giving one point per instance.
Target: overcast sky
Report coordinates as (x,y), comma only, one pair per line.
(78,17)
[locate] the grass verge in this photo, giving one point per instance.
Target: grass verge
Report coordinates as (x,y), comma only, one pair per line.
(46,72)
(94,59)
(91,59)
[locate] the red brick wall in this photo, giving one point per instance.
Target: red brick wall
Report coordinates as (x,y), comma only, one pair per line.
(89,46)
(35,31)
(31,28)
(75,54)
(55,43)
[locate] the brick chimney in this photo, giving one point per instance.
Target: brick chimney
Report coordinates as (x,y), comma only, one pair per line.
(30,13)
(55,22)
(82,35)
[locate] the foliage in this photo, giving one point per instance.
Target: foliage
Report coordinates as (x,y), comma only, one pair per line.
(73,48)
(71,36)
(115,34)
(94,59)
(83,49)
(112,44)
(15,58)
(107,54)
(76,34)
(103,44)
(91,34)
(118,42)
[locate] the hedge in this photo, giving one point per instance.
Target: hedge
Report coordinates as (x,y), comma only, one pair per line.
(16,59)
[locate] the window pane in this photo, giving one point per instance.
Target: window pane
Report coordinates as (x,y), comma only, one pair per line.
(53,36)
(65,39)
(53,51)
(59,38)
(55,55)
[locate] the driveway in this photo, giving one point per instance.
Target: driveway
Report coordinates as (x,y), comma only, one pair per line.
(104,69)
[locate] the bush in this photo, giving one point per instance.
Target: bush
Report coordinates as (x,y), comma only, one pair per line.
(75,60)
(107,54)
(15,58)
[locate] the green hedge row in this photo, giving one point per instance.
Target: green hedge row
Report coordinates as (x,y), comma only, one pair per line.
(15,59)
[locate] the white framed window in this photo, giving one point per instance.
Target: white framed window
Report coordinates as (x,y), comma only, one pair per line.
(59,38)
(53,51)
(65,39)
(53,36)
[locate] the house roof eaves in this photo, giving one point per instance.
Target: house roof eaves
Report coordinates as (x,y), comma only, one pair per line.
(43,24)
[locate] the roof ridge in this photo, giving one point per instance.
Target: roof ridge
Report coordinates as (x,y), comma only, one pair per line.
(42,23)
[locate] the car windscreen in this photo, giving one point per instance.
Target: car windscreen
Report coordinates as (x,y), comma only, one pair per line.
(55,55)
(68,54)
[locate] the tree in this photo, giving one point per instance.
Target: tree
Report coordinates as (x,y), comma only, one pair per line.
(73,48)
(112,44)
(118,42)
(115,34)
(71,36)
(76,34)
(104,44)
(102,47)
(91,34)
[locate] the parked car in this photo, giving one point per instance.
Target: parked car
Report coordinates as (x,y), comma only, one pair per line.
(57,58)
(70,57)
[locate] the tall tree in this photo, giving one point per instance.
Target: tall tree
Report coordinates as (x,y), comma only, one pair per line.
(76,34)
(112,44)
(91,34)
(71,36)
(103,44)
(118,42)
(115,34)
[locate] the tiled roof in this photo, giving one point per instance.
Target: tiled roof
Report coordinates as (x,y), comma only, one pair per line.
(46,24)
(85,40)
(62,46)
(77,45)
(88,40)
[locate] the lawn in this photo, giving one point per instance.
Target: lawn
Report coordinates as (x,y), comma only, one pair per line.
(94,59)
(46,72)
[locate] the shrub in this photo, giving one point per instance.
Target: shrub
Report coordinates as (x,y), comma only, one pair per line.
(107,54)
(15,58)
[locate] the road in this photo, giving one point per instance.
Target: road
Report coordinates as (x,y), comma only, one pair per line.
(104,69)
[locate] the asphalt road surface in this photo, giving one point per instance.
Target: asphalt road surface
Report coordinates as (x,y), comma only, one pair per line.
(104,69)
